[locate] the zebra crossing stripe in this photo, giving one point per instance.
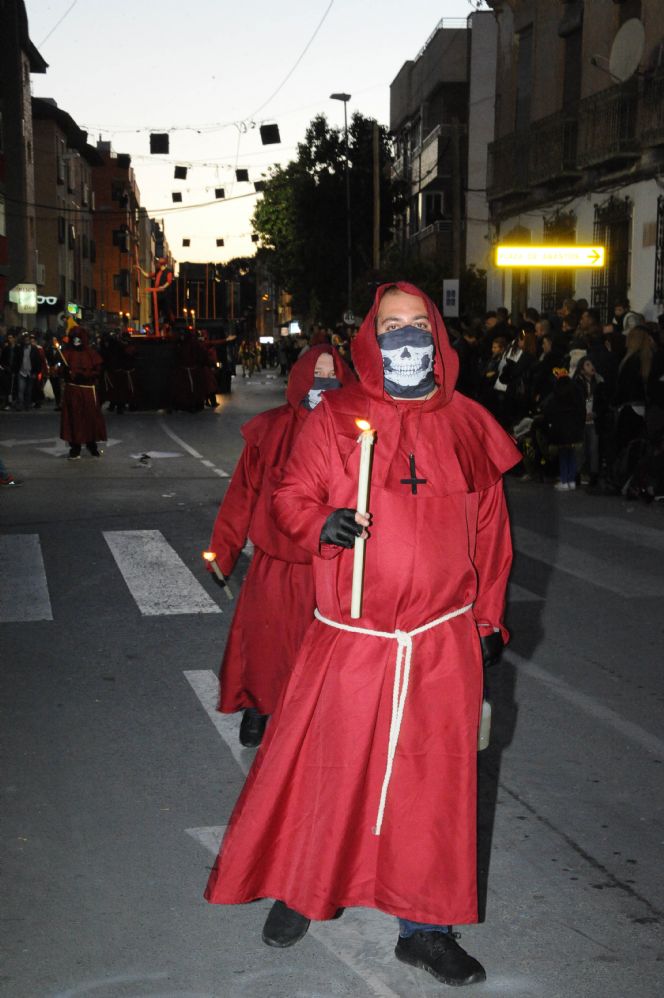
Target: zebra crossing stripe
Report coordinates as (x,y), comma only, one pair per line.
(156,576)
(622,530)
(23,586)
(603,573)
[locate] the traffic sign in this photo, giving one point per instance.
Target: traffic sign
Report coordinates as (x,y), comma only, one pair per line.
(570,257)
(24,297)
(349,318)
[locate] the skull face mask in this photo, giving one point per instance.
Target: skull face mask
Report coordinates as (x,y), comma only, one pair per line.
(407,362)
(315,393)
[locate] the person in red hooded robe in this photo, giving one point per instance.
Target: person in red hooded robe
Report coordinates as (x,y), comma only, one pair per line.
(364,790)
(81,420)
(276,603)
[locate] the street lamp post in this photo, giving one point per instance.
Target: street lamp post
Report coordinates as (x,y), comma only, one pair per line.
(349,245)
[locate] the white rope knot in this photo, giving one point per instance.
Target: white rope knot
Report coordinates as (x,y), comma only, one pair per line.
(402,665)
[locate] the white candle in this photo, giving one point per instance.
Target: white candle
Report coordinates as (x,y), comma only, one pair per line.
(211,559)
(365,440)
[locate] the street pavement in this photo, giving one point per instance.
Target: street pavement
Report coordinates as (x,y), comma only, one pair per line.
(118,775)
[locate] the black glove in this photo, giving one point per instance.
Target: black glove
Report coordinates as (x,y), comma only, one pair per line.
(341,529)
(492,647)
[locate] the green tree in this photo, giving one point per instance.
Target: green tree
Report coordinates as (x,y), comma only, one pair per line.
(301,218)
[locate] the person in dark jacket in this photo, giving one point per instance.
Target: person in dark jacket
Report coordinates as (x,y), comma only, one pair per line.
(593,388)
(565,414)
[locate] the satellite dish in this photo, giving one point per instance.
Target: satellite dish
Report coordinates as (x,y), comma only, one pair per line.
(627,50)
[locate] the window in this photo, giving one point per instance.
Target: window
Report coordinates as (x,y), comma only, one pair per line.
(63,287)
(71,240)
(61,229)
(658,296)
(573,68)
(3,223)
(524,78)
(93,251)
(612,229)
(85,248)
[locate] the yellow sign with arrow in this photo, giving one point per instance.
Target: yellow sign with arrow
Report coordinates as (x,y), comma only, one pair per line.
(563,257)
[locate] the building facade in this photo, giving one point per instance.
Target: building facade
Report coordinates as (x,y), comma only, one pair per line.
(428,118)
(64,165)
(18,235)
(578,153)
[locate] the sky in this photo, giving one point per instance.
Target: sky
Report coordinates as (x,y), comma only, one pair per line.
(211,72)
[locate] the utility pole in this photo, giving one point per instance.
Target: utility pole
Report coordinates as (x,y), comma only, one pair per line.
(349,244)
(376,197)
(456,199)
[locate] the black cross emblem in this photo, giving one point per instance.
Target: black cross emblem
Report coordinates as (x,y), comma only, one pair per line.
(413,481)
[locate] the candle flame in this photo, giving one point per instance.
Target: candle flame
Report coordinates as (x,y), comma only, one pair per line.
(362,424)
(209,555)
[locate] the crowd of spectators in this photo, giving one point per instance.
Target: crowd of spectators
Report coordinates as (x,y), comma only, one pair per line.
(584,399)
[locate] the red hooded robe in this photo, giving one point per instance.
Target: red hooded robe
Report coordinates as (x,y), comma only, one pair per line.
(303,828)
(81,420)
(276,602)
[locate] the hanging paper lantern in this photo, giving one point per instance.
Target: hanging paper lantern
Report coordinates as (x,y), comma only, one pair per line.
(270,135)
(219,192)
(259,185)
(220,242)
(159,143)
(176,195)
(242,175)
(180,173)
(186,242)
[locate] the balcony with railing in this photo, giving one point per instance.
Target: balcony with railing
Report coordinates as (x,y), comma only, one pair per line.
(608,132)
(508,174)
(552,149)
(651,112)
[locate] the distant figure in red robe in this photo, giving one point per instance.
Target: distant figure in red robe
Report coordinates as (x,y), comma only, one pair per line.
(276,603)
(363,793)
(81,421)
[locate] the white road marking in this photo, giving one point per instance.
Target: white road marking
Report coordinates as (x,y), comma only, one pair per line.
(588,704)
(622,530)
(194,453)
(23,585)
(518,594)
(157,578)
(206,687)
(26,443)
(604,573)
(159,454)
(59,447)
(210,838)
(349,938)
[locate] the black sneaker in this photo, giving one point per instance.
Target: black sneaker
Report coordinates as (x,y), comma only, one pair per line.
(441,956)
(252,728)
(283,926)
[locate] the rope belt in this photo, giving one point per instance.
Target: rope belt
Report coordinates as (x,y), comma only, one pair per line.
(404,641)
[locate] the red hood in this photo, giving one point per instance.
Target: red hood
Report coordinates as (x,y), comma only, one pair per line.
(302,373)
(368,360)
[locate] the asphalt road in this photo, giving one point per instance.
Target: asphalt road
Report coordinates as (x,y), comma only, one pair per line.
(118,776)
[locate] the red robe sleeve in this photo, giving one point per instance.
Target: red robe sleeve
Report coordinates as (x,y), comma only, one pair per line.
(300,502)
(231,526)
(493,560)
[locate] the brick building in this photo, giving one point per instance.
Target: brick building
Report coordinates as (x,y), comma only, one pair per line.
(116,235)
